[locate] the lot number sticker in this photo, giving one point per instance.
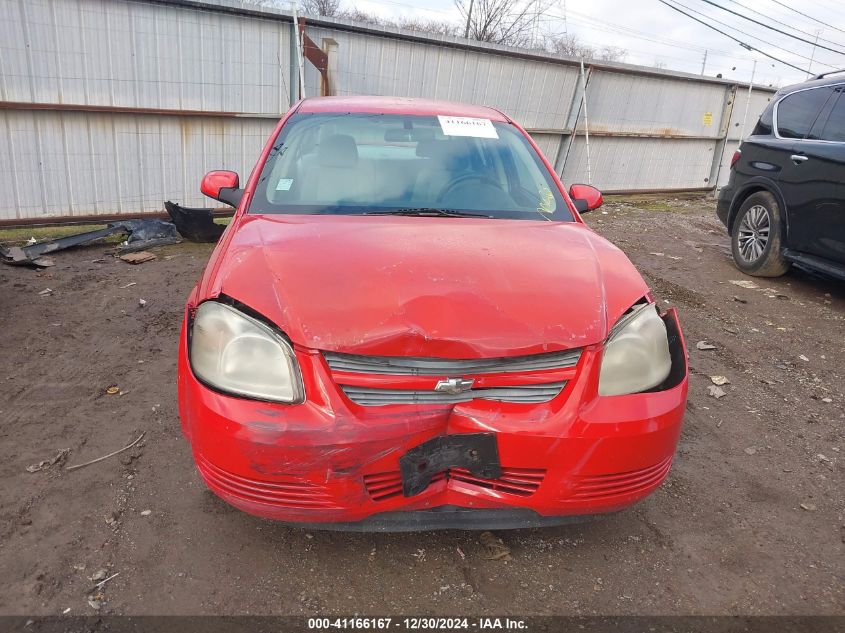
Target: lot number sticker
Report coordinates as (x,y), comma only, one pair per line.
(467,126)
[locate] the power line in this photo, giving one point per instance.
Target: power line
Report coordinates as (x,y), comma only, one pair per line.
(751,35)
(588,24)
(740,42)
(776,21)
(772,28)
(603,25)
(786,6)
(830,11)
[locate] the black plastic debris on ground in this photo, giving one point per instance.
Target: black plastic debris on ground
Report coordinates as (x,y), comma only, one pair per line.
(141,234)
(195,225)
(144,234)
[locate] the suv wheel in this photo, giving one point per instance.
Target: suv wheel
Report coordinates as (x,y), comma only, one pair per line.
(757,236)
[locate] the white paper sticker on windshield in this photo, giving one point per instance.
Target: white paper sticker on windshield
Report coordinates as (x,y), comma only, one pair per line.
(284,184)
(467,126)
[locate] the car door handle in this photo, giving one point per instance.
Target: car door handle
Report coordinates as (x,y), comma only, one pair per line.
(799,158)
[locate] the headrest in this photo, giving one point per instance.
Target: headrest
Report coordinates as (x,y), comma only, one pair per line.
(450,154)
(338,150)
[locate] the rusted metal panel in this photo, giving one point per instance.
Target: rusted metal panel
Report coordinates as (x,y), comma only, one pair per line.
(651,106)
(758,102)
(113,106)
(142,55)
(535,94)
(549,144)
(81,107)
(80,163)
(641,163)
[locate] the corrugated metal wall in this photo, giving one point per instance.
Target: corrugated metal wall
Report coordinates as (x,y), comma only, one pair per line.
(113,106)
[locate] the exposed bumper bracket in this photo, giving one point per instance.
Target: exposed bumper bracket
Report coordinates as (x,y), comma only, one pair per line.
(477,452)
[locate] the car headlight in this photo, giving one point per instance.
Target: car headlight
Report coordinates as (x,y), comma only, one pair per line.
(636,354)
(238,354)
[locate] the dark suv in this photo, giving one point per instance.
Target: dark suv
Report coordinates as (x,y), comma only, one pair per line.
(785,200)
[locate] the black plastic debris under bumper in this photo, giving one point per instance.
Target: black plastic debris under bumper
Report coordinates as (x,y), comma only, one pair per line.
(476,452)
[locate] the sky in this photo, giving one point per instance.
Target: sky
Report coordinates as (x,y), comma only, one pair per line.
(655,35)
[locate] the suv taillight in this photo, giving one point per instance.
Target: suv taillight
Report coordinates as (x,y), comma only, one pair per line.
(735,158)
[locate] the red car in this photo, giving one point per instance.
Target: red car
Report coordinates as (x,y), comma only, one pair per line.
(408,326)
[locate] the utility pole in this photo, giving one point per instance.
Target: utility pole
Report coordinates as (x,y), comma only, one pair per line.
(469,19)
(813,55)
(704,63)
(565,23)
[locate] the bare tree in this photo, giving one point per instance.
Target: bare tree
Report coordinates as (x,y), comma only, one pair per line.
(408,23)
(329,8)
(570,45)
(505,22)
(428,26)
(502,21)
(610,54)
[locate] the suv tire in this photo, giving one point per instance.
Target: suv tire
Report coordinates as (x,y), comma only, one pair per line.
(756,237)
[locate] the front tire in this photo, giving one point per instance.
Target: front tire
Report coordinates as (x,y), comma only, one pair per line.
(757,236)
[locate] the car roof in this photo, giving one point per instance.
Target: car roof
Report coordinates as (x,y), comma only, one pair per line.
(834,77)
(399,105)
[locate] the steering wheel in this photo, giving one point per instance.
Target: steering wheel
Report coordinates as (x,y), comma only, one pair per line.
(484,180)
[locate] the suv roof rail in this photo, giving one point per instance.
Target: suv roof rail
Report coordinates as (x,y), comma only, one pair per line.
(830,72)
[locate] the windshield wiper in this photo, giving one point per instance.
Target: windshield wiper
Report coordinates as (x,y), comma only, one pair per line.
(430,212)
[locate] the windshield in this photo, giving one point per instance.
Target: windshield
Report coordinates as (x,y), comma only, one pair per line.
(355,163)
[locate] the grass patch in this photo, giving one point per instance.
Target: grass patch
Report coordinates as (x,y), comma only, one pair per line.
(656,206)
(657,202)
(20,236)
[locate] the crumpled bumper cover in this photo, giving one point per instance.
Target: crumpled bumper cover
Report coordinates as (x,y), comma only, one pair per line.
(330,461)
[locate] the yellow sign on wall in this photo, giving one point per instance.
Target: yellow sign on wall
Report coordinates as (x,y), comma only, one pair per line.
(707,119)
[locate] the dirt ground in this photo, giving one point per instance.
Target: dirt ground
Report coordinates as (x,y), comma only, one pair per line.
(750,521)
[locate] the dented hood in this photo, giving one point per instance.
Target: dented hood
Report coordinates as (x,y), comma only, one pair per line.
(447,287)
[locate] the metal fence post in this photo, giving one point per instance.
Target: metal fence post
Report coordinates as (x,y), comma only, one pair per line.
(724,133)
(294,65)
(568,137)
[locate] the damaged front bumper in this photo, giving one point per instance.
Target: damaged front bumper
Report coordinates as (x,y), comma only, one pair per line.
(341,465)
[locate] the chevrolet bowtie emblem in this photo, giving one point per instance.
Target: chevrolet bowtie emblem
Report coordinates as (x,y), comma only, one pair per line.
(454,385)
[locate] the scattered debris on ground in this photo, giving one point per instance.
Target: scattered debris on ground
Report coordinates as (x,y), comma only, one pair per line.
(140,257)
(716,392)
(99,459)
(495,548)
(59,459)
(196,225)
(141,234)
(744,283)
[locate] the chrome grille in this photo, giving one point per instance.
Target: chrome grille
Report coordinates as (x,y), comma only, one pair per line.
(525,394)
(408,366)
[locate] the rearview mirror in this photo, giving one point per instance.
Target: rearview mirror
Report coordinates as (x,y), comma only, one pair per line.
(585,198)
(223,186)
(413,135)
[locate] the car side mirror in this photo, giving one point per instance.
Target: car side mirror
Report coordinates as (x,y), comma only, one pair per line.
(585,198)
(223,186)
